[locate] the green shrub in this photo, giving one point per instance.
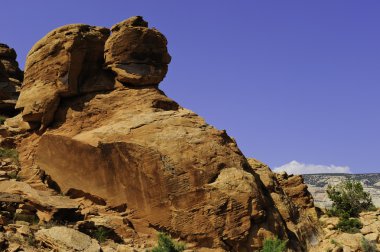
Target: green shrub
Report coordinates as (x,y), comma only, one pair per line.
(166,244)
(348,197)
(101,234)
(274,245)
(349,225)
(14,175)
(367,246)
(9,153)
(2,119)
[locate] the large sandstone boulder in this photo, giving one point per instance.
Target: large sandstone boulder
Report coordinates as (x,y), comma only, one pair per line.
(133,145)
(137,54)
(137,146)
(66,62)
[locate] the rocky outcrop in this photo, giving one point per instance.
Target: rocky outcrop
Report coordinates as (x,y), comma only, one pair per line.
(142,145)
(293,201)
(109,135)
(69,62)
(10,80)
(8,60)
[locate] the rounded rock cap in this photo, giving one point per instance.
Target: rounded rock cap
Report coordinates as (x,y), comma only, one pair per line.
(137,54)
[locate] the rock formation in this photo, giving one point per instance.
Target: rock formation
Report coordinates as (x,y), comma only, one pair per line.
(292,200)
(65,63)
(10,80)
(108,134)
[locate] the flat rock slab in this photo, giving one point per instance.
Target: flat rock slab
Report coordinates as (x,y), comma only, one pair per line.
(23,190)
(67,239)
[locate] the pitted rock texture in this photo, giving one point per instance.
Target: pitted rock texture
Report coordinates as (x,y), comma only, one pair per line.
(67,62)
(137,54)
(10,80)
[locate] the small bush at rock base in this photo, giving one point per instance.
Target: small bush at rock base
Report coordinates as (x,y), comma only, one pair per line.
(2,119)
(274,245)
(101,234)
(367,246)
(349,225)
(9,153)
(166,244)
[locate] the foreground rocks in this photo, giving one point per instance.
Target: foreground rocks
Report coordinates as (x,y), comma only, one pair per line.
(104,151)
(66,239)
(336,240)
(41,220)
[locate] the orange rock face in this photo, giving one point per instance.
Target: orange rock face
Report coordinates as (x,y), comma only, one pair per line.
(126,142)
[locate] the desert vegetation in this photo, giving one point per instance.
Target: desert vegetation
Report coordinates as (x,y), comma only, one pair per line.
(167,244)
(2,119)
(349,200)
(274,245)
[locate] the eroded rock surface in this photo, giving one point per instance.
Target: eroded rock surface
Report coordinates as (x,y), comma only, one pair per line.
(142,145)
(66,62)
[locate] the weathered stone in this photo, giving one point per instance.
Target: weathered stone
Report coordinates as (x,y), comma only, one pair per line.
(123,144)
(7,53)
(138,55)
(135,146)
(45,206)
(372,237)
(66,62)
(66,239)
(301,216)
(8,61)
(10,77)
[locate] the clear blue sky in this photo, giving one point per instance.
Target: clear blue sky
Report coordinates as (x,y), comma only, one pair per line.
(289,80)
